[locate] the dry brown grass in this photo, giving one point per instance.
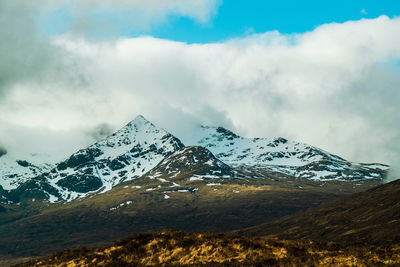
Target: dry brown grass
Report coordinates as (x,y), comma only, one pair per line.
(169,248)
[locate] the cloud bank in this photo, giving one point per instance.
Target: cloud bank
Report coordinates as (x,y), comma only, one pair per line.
(29,55)
(336,87)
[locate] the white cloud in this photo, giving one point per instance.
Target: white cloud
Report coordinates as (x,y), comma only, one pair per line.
(333,87)
(363,11)
(27,54)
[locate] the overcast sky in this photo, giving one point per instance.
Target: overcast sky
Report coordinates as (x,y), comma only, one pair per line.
(73,71)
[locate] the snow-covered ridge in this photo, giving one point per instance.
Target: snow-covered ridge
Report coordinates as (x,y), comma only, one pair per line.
(236,150)
(281,155)
(15,171)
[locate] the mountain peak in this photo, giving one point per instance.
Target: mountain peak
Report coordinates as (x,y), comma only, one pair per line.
(140,118)
(139,121)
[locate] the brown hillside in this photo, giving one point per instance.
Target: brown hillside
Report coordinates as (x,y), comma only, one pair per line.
(227,205)
(371,217)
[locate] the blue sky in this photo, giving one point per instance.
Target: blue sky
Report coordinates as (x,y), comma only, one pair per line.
(232,19)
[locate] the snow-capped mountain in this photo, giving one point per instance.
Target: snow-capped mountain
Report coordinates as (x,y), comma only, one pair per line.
(127,154)
(142,149)
(280,155)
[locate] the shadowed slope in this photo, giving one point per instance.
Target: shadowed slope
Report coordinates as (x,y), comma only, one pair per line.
(369,217)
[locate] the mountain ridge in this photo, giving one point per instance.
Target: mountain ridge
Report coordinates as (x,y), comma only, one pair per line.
(282,156)
(140,146)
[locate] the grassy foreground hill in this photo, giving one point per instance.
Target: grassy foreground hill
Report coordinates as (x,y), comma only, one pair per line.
(182,249)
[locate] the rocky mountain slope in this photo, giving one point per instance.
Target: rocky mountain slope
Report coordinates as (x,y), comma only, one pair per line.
(190,162)
(371,217)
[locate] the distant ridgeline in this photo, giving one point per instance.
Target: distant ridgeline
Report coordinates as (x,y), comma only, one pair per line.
(142,149)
